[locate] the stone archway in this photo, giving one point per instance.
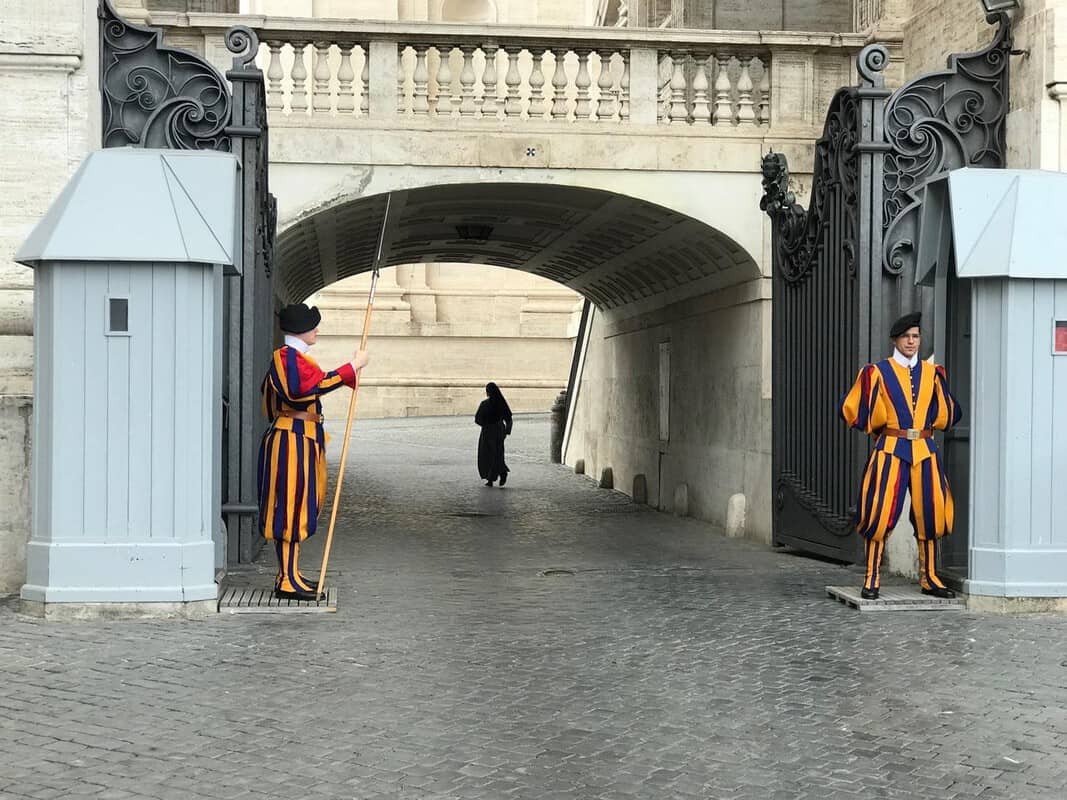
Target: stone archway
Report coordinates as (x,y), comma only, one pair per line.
(674,392)
(614,249)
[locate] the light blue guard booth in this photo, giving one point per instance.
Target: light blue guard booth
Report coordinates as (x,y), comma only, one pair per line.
(128,288)
(1006,232)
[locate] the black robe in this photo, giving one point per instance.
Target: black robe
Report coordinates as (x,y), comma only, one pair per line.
(496,424)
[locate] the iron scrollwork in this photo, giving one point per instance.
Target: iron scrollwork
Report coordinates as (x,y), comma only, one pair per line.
(799,233)
(157,96)
(936,123)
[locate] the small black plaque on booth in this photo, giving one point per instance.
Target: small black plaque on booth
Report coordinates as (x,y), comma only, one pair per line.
(118,315)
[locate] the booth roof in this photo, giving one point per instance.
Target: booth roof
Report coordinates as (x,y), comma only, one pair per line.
(1003,223)
(135,204)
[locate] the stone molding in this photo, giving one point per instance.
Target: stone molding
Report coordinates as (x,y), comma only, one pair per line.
(39,62)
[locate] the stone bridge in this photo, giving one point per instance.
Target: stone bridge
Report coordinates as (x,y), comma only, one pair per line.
(623,163)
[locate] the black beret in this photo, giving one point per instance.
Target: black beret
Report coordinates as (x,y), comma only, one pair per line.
(901,326)
(298,318)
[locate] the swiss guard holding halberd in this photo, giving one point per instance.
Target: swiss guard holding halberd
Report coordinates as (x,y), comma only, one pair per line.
(901,401)
(292,457)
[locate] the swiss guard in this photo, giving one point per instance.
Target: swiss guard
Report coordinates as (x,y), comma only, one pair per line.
(901,401)
(291,470)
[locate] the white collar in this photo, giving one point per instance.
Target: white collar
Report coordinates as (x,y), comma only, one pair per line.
(297,344)
(903,360)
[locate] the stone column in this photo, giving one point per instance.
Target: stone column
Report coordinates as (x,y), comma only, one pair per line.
(415,10)
(419,296)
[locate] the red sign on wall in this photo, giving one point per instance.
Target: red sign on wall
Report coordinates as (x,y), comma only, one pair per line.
(1060,341)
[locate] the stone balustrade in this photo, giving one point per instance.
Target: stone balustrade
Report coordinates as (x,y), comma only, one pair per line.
(359,70)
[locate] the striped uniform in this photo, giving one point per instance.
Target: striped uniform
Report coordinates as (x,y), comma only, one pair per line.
(291,470)
(888,395)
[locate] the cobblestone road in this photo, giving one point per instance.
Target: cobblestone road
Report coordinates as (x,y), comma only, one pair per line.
(673,663)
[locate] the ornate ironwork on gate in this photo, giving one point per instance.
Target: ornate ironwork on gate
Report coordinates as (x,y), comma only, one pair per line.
(165,97)
(845,266)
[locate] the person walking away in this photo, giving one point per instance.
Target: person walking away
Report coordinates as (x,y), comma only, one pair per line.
(291,470)
(494,417)
(900,402)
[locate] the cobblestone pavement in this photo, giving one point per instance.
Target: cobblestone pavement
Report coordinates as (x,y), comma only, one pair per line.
(672,663)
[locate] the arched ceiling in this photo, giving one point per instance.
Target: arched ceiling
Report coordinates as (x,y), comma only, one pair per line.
(611,248)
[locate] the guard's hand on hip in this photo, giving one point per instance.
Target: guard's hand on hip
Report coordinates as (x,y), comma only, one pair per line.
(360,360)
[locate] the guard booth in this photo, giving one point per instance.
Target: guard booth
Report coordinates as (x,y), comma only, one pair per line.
(128,288)
(991,244)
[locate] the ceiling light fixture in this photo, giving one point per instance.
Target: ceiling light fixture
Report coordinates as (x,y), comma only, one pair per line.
(474,232)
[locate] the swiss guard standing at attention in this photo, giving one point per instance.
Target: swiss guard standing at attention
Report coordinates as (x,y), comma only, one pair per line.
(292,458)
(901,401)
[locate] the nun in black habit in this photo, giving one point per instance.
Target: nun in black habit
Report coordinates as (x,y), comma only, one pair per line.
(494,417)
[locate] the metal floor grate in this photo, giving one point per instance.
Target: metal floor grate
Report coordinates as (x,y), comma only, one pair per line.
(249,600)
(894,598)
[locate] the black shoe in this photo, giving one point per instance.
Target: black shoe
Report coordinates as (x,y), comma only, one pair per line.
(503,479)
(488,483)
(940,591)
(283,595)
(869,594)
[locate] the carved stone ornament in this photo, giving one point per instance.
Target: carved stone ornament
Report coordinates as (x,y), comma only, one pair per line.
(157,96)
(936,123)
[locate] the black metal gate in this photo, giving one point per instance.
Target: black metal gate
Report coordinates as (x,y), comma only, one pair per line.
(845,268)
(821,326)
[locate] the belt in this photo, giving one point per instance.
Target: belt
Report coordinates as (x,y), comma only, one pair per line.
(304,415)
(910,434)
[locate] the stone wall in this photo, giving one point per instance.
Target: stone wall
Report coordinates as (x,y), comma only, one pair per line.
(48,70)
(16,415)
(715,387)
(769,15)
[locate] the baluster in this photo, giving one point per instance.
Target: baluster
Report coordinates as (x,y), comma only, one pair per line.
(299,74)
(678,112)
(606,101)
(559,86)
(513,103)
(364,83)
(490,77)
(537,86)
(420,102)
(444,82)
(467,79)
(275,96)
(664,96)
(701,104)
(401,80)
(320,98)
(583,81)
(346,101)
(745,113)
(765,93)
(724,112)
(624,88)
